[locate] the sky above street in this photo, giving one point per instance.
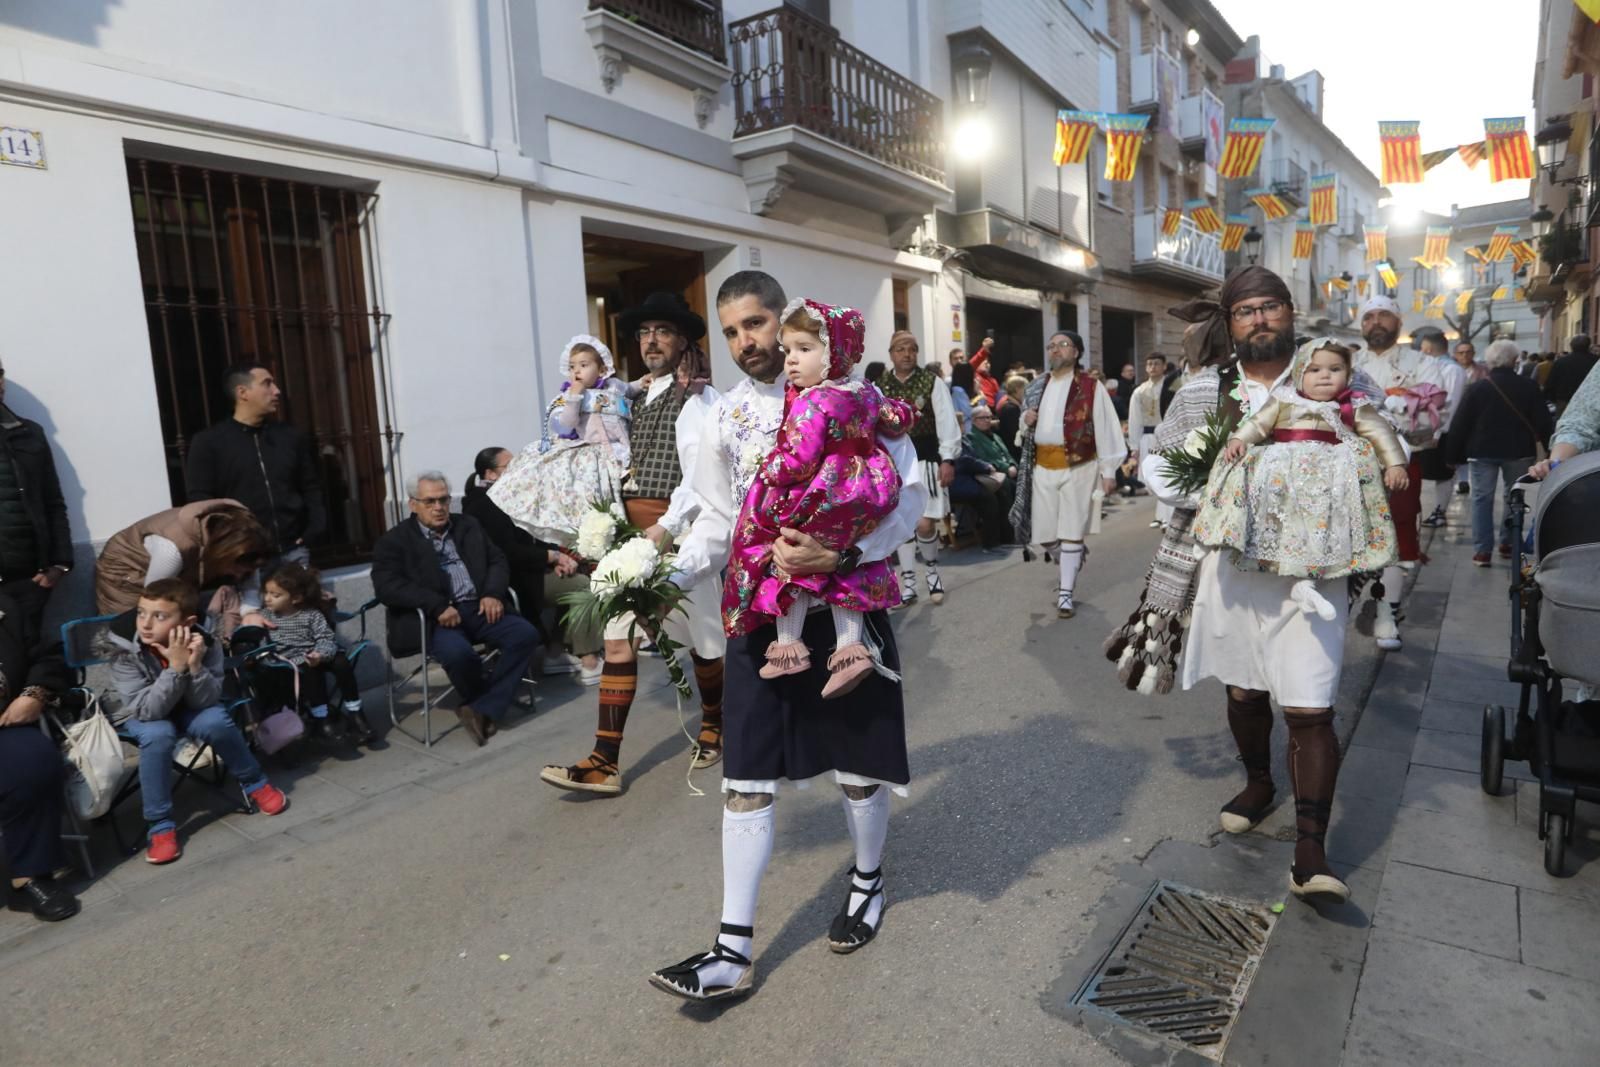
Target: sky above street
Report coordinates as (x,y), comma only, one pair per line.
(1448,65)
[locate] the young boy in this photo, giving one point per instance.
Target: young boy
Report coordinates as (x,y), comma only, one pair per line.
(168,673)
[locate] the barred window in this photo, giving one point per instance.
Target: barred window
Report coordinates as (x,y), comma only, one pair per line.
(242,268)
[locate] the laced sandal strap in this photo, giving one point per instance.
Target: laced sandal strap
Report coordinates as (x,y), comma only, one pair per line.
(711,735)
(594,763)
(867,876)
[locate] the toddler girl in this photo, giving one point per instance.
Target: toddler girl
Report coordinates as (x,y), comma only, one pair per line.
(828,477)
(1311,503)
(581,457)
(292,604)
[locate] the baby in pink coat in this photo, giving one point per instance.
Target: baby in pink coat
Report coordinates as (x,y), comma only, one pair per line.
(828,477)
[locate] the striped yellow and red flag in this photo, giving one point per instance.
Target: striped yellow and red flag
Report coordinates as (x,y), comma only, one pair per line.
(1471,154)
(1305,236)
(1523,253)
(1377,242)
(1519,293)
(1124,135)
(1462,300)
(1474,252)
(1402,152)
(1339,283)
(1324,199)
(1435,247)
(1241,152)
(1171,219)
(1271,205)
(1204,215)
(1386,271)
(1500,293)
(1074,135)
(1233,232)
(1419,300)
(1500,243)
(1361,287)
(1510,156)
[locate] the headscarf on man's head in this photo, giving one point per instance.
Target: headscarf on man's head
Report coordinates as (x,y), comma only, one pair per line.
(1208,341)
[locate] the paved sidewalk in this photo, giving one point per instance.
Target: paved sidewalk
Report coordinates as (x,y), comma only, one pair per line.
(1456,949)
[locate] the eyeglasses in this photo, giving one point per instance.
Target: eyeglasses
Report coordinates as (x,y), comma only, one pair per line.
(432,501)
(1268,309)
(644,333)
(1059,344)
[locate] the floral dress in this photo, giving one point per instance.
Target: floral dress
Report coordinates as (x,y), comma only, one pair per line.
(581,459)
(828,477)
(1310,503)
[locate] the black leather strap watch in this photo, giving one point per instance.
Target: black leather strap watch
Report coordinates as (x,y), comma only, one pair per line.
(849,560)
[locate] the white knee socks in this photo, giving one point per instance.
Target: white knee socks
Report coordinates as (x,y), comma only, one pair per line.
(1070,558)
(928,550)
(846,627)
(792,623)
(746,848)
(869,827)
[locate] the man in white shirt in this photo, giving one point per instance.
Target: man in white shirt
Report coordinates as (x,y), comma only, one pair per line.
(1072,447)
(1431,341)
(782,729)
(665,437)
(937,438)
(1144,415)
(1397,371)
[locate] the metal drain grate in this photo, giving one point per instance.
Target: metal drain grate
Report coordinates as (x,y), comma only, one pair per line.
(1182,966)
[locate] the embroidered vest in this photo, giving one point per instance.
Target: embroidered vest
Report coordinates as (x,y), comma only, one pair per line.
(917,391)
(1077,424)
(654,437)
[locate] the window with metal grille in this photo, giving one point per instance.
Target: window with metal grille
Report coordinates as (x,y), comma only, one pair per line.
(241,268)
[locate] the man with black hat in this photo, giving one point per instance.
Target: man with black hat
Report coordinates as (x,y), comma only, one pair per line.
(665,437)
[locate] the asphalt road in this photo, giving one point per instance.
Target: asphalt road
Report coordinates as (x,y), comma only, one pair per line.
(469,914)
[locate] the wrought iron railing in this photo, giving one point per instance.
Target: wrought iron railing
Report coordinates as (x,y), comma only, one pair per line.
(791,70)
(695,24)
(1190,250)
(1288,179)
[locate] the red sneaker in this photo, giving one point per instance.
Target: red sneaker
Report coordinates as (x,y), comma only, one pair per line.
(269,799)
(1480,559)
(163,847)
(1505,550)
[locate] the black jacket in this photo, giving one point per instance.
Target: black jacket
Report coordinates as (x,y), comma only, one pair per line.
(406,575)
(1487,427)
(26,663)
(522,549)
(1566,375)
(24,443)
(270,469)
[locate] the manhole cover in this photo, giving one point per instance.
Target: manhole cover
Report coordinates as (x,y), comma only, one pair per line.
(1182,966)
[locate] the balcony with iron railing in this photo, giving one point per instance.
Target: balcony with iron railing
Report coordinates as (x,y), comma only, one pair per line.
(815,112)
(1187,256)
(1194,114)
(679,40)
(1288,179)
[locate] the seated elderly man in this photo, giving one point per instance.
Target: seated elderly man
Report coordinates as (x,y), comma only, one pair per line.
(446,565)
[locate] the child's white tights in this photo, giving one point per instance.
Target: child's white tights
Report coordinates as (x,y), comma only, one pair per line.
(847,624)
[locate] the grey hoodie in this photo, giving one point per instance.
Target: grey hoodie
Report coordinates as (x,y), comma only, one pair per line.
(149,692)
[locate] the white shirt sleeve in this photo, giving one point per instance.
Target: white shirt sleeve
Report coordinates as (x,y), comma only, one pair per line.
(944,421)
(165,559)
(684,504)
(1136,428)
(1152,472)
(1108,439)
(705,547)
(898,528)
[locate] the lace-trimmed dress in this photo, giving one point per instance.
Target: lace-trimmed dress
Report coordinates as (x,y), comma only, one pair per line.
(1308,499)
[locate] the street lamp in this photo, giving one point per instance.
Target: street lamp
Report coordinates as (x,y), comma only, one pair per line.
(1252,244)
(1551,144)
(1541,220)
(971,68)
(1192,38)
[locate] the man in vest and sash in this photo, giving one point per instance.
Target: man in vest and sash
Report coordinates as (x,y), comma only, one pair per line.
(667,426)
(1072,447)
(937,439)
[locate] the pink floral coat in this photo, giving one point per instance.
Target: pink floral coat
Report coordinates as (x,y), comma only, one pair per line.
(828,477)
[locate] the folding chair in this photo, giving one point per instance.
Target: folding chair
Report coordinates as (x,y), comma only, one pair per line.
(429,701)
(85,644)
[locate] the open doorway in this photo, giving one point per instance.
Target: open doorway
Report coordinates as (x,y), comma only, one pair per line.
(1117,342)
(619,273)
(1018,333)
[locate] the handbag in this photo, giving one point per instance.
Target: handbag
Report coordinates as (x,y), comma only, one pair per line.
(284,726)
(95,767)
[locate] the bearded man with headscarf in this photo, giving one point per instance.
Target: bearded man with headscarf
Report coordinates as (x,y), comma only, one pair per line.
(1243,626)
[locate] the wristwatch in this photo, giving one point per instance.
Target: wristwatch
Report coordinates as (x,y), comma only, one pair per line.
(849,560)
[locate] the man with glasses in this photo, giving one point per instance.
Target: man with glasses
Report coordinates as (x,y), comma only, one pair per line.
(664,440)
(1072,447)
(446,565)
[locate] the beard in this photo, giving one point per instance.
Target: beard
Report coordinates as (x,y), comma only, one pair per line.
(762,364)
(1379,338)
(658,359)
(1266,346)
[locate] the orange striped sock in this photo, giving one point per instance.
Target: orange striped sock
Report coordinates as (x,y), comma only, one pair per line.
(618,681)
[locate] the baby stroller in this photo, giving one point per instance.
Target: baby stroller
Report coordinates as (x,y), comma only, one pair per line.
(1555,637)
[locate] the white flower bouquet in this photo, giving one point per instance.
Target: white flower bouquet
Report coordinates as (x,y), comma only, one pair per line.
(601,529)
(1188,467)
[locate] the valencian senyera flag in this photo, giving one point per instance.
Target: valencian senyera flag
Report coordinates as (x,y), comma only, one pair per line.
(1241,152)
(1171,219)
(1233,232)
(1402,152)
(1324,199)
(1305,235)
(1500,293)
(1471,154)
(1436,307)
(1386,271)
(1419,300)
(1204,215)
(1339,283)
(1462,300)
(1500,243)
(1435,248)
(1510,156)
(1377,242)
(1271,205)
(1361,287)
(1074,135)
(1523,253)
(1124,135)
(1474,252)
